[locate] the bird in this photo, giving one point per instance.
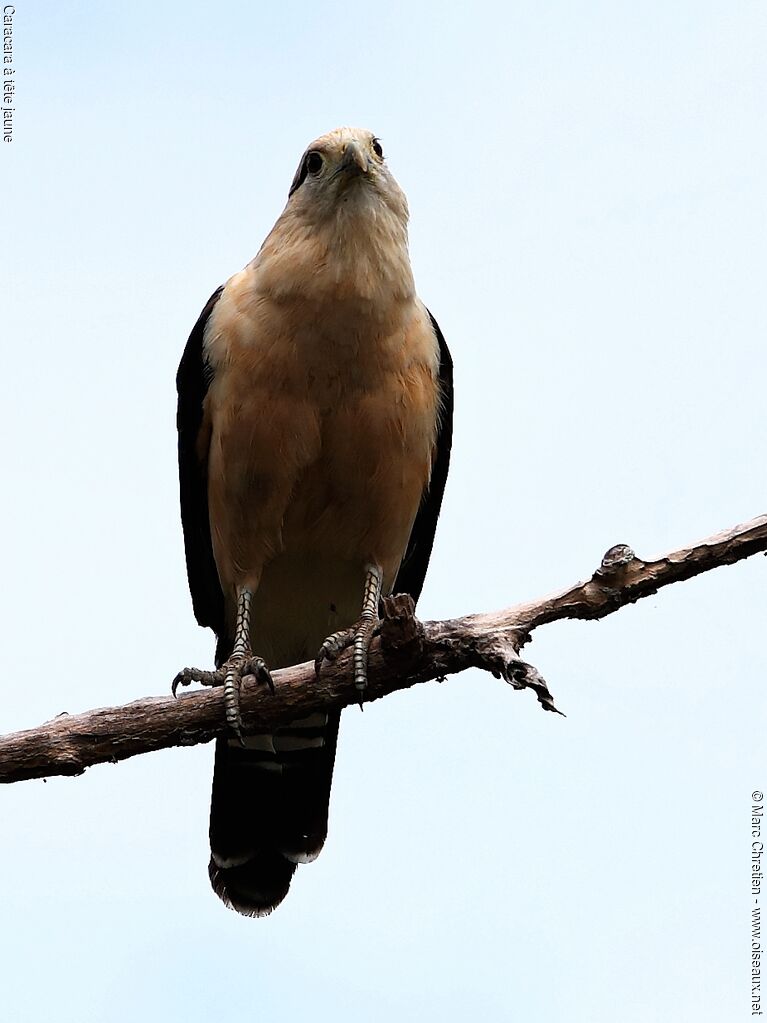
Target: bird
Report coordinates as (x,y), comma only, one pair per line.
(315,410)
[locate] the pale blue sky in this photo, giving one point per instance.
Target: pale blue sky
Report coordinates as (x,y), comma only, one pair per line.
(586,184)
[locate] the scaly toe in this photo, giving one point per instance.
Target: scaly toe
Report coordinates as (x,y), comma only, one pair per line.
(204,678)
(256,666)
(363,637)
(332,647)
(233,671)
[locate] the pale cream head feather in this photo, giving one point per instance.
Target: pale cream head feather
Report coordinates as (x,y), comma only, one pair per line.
(342,237)
(345,168)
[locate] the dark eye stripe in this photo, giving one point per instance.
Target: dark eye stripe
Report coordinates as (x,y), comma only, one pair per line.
(304,168)
(299,177)
(378,148)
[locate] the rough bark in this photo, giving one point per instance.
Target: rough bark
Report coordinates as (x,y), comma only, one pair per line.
(406,652)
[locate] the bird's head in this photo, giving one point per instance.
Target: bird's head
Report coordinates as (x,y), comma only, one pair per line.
(342,237)
(345,171)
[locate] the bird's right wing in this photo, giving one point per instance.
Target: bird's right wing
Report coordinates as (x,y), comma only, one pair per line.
(412,572)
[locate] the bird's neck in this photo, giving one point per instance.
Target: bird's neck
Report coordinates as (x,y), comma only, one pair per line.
(356,260)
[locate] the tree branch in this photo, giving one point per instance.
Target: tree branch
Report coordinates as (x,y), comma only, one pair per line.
(407,652)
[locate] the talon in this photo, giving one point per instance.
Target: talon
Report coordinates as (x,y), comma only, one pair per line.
(256,666)
(238,667)
(332,647)
(179,680)
(359,637)
(230,674)
(189,675)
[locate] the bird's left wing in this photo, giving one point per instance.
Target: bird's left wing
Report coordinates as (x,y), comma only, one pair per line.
(192,381)
(412,572)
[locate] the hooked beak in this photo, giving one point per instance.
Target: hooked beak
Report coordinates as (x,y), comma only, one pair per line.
(355,161)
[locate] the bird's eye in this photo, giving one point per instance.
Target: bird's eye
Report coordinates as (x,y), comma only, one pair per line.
(314,163)
(378,148)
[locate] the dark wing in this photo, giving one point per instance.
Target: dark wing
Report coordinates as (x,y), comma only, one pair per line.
(412,571)
(192,381)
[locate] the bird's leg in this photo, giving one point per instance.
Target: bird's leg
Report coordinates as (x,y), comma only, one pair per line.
(232,671)
(363,633)
(360,635)
(234,667)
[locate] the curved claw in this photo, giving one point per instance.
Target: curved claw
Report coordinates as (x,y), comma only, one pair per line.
(256,666)
(188,675)
(332,647)
(359,638)
(230,676)
(235,671)
(179,680)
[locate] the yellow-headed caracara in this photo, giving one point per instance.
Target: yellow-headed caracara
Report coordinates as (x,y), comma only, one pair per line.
(315,403)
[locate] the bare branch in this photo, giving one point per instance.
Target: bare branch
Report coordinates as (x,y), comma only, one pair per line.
(407,652)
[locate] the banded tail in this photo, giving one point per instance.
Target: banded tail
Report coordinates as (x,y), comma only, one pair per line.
(269,810)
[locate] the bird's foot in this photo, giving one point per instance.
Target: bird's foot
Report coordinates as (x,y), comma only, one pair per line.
(359,637)
(230,676)
(333,647)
